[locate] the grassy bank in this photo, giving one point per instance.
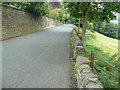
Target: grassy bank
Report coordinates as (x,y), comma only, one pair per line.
(105,48)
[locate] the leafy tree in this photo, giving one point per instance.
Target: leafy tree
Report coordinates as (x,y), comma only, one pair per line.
(36,8)
(92,11)
(59,13)
(108,29)
(54,14)
(90,26)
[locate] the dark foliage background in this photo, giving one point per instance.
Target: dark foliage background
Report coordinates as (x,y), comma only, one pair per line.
(108,29)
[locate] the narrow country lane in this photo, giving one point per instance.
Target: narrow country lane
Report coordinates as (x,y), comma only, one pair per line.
(38,60)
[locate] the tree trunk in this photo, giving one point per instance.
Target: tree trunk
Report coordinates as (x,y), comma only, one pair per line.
(84,26)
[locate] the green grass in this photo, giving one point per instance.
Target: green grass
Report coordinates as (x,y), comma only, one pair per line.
(105,48)
(106,44)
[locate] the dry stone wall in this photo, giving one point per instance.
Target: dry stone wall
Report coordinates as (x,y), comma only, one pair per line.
(16,22)
(85,76)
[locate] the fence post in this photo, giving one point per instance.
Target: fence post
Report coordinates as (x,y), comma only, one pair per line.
(90,56)
(92,59)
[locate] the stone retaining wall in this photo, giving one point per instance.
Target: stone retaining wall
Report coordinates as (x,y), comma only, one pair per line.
(85,76)
(16,22)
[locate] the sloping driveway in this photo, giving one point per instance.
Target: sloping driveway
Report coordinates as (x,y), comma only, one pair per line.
(38,60)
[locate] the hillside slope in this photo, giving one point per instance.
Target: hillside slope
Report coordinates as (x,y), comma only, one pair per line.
(106,44)
(105,48)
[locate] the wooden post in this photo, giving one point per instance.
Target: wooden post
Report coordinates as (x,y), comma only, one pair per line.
(90,56)
(92,59)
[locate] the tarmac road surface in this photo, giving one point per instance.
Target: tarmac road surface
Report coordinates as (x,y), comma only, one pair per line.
(37,60)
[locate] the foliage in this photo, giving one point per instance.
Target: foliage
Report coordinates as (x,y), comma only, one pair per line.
(105,48)
(20,5)
(108,29)
(97,10)
(90,26)
(54,14)
(36,8)
(59,13)
(92,11)
(119,31)
(111,82)
(73,59)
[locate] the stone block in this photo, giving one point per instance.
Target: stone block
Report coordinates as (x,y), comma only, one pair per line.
(82,60)
(85,76)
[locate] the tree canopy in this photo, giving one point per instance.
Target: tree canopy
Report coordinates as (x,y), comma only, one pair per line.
(60,14)
(92,11)
(36,8)
(97,10)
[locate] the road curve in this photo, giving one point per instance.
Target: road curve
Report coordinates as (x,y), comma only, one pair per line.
(38,60)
